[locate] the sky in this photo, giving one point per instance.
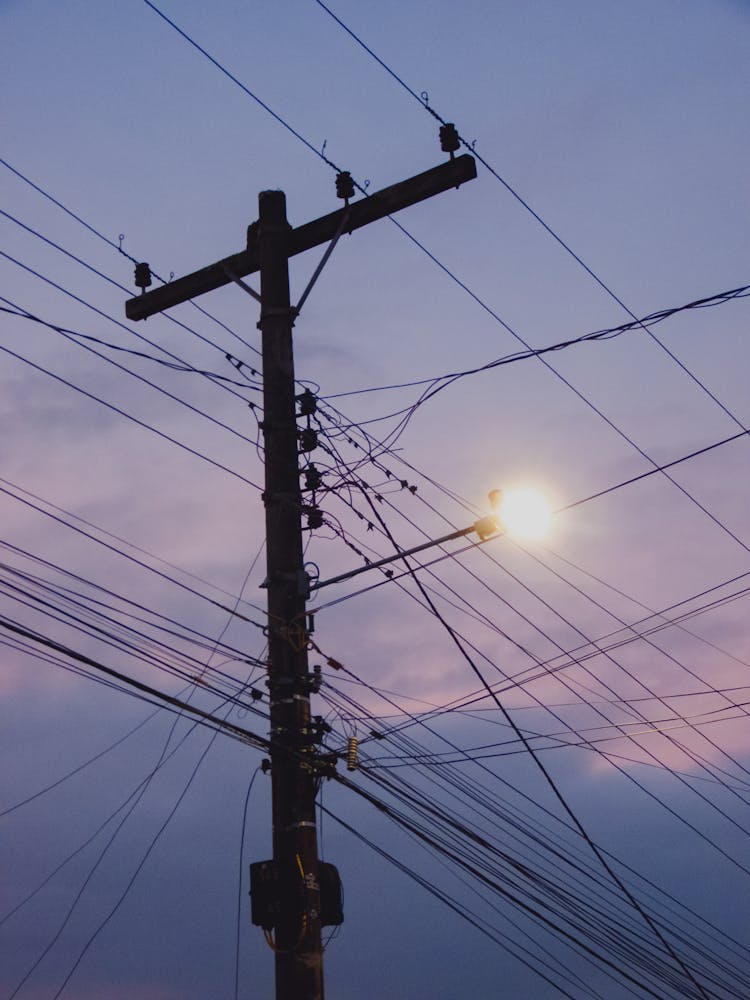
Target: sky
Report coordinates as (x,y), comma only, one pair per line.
(612,185)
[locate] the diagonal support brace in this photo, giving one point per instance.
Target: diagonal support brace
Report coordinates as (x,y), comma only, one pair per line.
(322,264)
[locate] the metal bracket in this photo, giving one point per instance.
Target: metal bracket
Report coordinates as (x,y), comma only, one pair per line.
(243,284)
(322,264)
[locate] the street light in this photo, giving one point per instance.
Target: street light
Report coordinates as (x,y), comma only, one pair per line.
(524,513)
(518,513)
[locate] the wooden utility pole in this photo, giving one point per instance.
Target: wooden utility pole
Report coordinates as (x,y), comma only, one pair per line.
(299,967)
(295,872)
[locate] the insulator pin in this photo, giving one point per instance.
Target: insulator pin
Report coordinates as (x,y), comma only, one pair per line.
(351,753)
(142,276)
(308,439)
(344,185)
(449,141)
(308,403)
(314,518)
(313,478)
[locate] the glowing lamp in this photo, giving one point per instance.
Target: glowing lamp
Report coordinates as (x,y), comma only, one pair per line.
(523,513)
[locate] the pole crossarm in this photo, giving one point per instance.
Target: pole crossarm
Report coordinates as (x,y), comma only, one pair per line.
(376,206)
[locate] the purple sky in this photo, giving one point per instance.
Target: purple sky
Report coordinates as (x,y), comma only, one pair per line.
(624,127)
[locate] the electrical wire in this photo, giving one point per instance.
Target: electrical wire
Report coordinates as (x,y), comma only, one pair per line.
(558,794)
(240,878)
(66,331)
(470,147)
(462,284)
(434,383)
(73,339)
(118,248)
(113,548)
(129,416)
(221,384)
(157,11)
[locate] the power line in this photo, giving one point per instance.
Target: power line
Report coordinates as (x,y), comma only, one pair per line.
(719,523)
(609,721)
(556,791)
(72,337)
(459,783)
(578,654)
(154,8)
(508,893)
(80,767)
(240,878)
(230,702)
(225,385)
(171,365)
(129,416)
(238,732)
(115,538)
(482,799)
(609,333)
(620,667)
(155,654)
(118,247)
(423,100)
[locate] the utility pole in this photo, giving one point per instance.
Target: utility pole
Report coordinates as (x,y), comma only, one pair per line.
(293,905)
(299,967)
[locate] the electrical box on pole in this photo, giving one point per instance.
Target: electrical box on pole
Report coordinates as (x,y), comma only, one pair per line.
(294,894)
(266,902)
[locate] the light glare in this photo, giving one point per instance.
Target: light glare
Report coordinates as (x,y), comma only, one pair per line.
(524,514)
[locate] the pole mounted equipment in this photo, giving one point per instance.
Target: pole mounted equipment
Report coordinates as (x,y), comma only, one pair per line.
(294,894)
(313,478)
(344,186)
(142,276)
(308,403)
(449,140)
(351,753)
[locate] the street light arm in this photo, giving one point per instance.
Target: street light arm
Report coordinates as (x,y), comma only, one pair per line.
(485,527)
